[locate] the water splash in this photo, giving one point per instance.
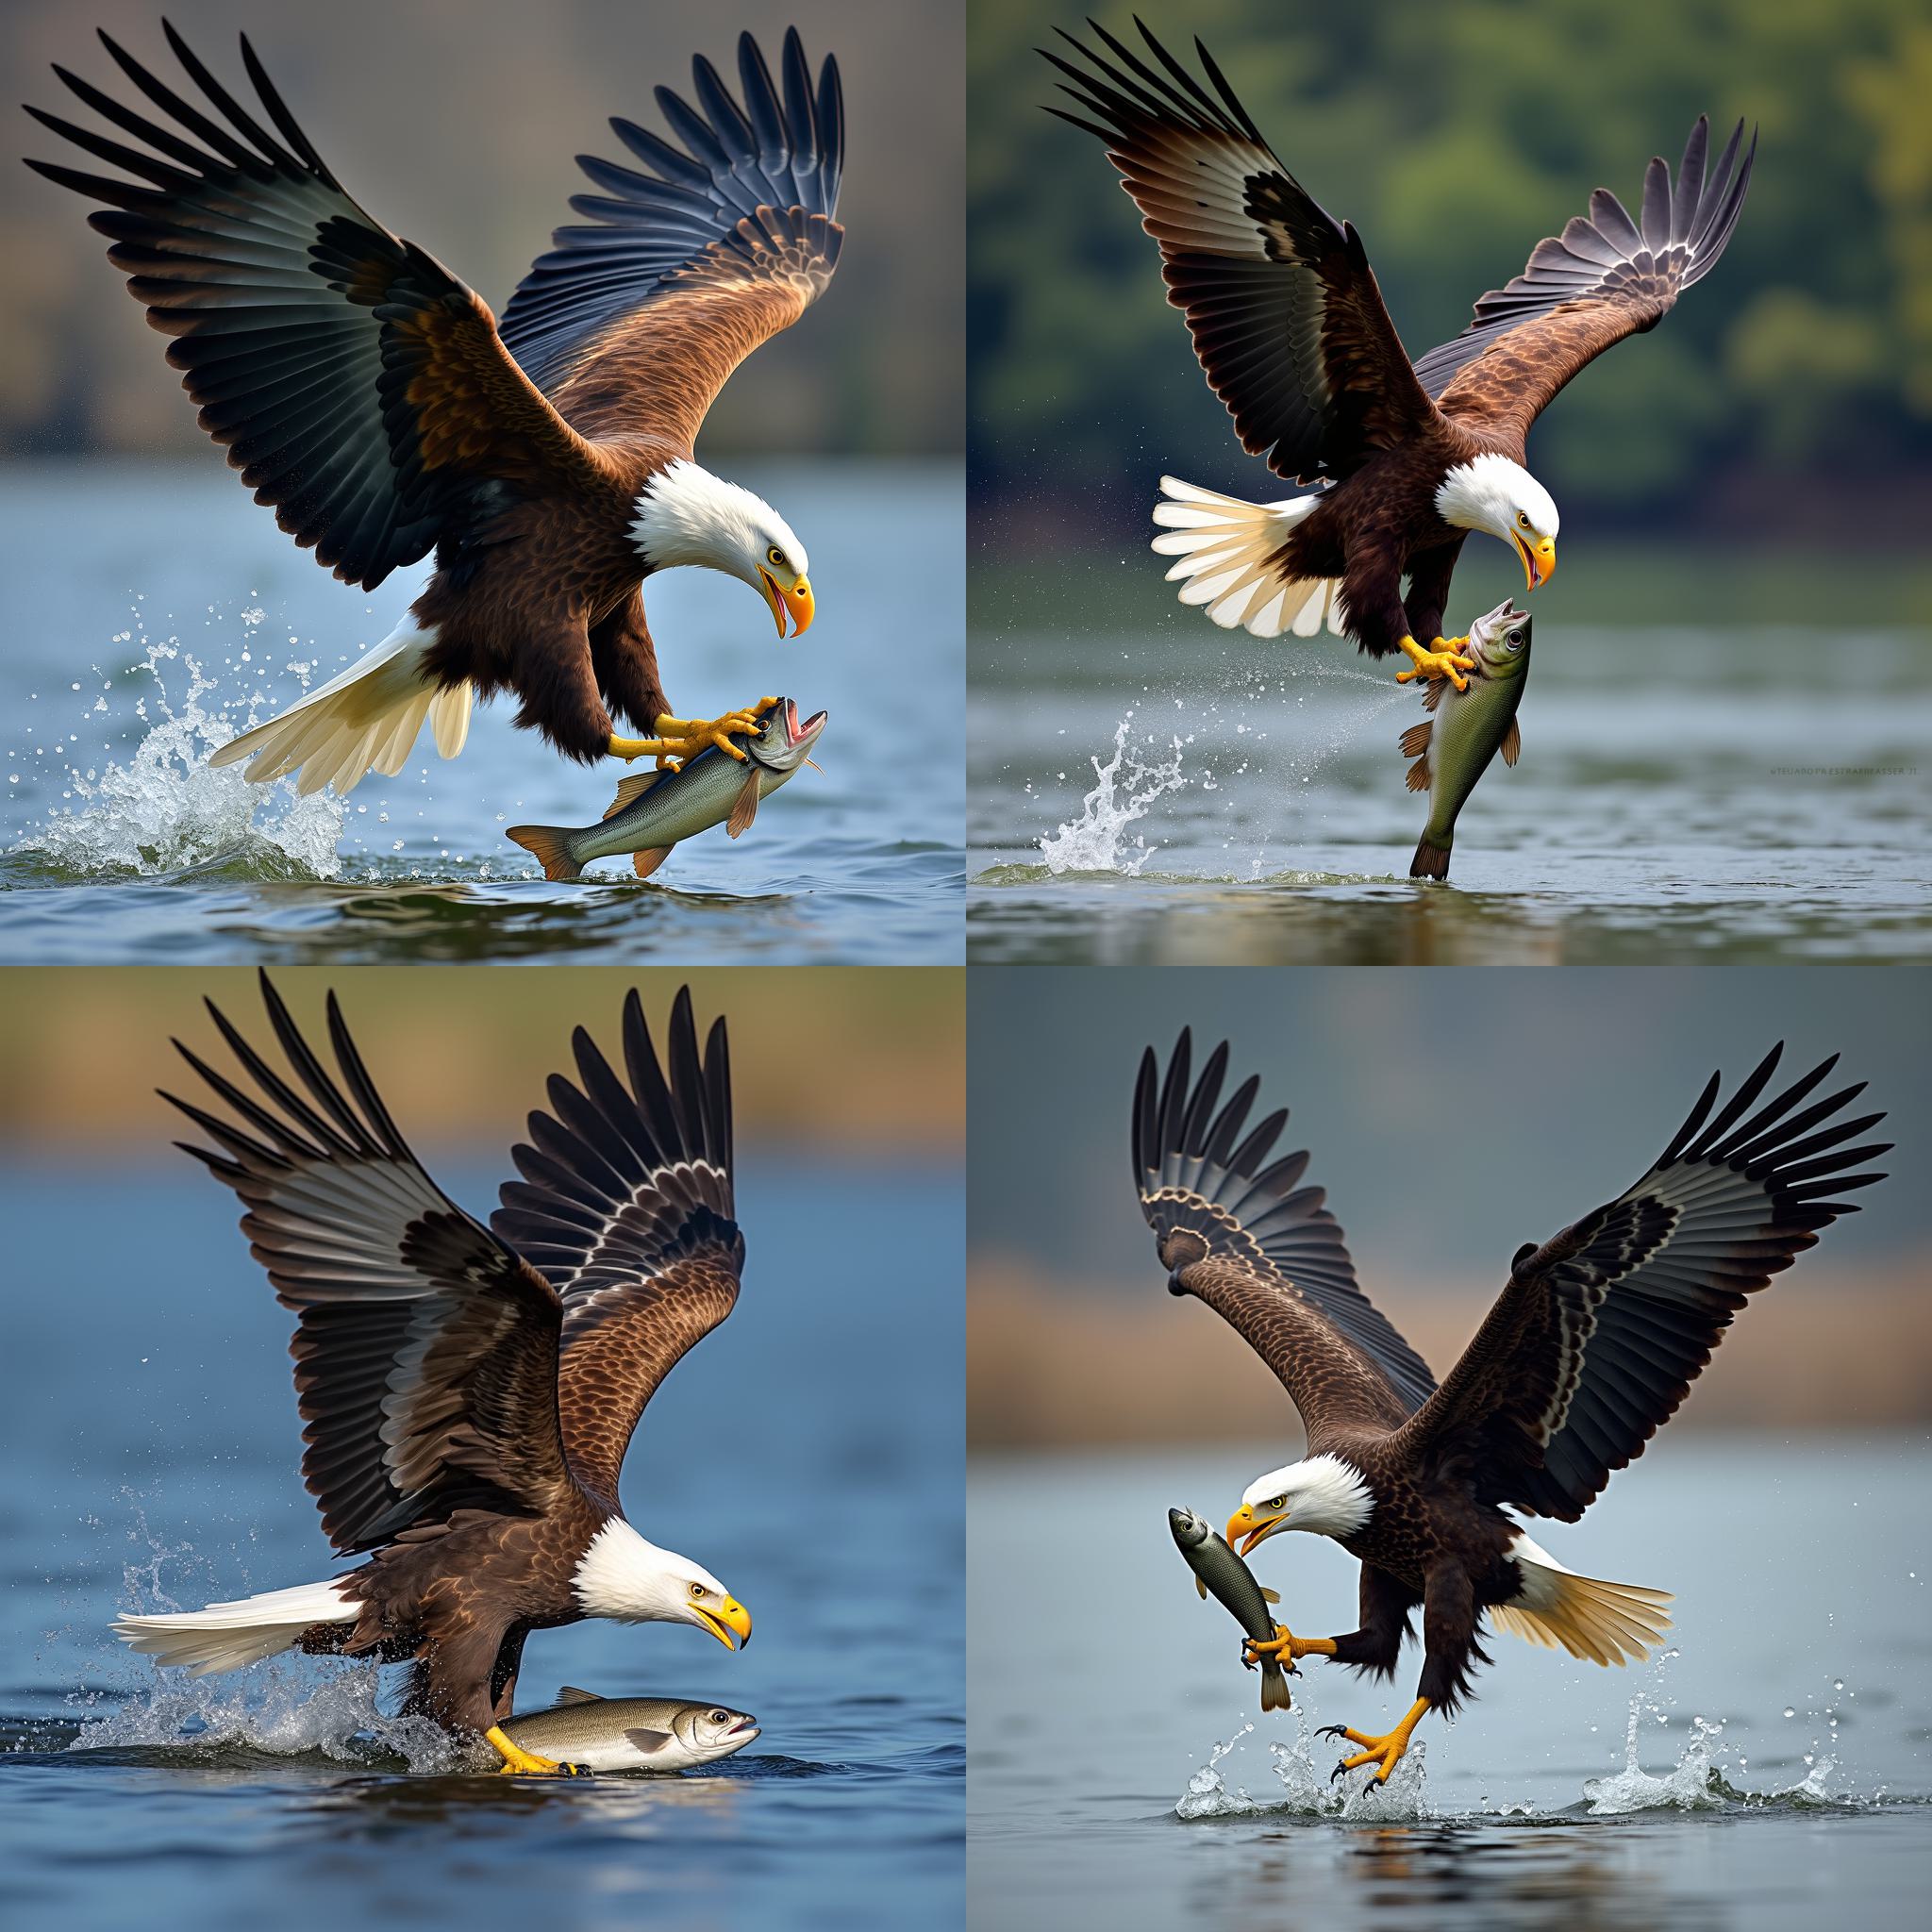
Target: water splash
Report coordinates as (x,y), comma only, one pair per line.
(164,809)
(1304,1788)
(1093,842)
(289,1708)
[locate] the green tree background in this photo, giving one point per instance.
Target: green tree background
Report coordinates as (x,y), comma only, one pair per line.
(1791,392)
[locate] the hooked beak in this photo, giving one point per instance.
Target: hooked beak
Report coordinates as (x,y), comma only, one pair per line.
(1539,559)
(730,1615)
(797,600)
(1245,1529)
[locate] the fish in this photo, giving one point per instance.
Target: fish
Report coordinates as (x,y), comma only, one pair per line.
(631,1733)
(1453,749)
(1218,1569)
(654,810)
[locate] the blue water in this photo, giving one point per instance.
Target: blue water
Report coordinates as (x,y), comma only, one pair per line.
(153,609)
(808,1452)
(1772,1770)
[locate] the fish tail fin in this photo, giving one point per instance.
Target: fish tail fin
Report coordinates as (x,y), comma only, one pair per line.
(366,720)
(1224,553)
(226,1637)
(1602,1622)
(550,844)
(1431,861)
(1274,1687)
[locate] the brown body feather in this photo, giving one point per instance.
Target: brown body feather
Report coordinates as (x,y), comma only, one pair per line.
(465,1415)
(1590,1347)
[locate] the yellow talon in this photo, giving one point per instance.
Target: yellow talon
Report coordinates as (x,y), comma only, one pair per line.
(517,1762)
(1384,1753)
(1445,662)
(1287,1649)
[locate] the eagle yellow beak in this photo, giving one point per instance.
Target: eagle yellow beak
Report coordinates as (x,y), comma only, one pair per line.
(797,602)
(1539,559)
(730,1616)
(1245,1529)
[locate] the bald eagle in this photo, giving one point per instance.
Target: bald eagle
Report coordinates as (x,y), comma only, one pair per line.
(369,398)
(1590,1349)
(469,1391)
(1289,327)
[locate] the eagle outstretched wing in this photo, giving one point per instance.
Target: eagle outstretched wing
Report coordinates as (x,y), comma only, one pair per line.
(1601,1331)
(626,1204)
(425,1351)
(1241,1233)
(361,388)
(633,326)
(1604,277)
(1283,307)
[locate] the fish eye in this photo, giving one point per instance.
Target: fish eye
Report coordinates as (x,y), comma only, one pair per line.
(720,1717)
(1513,639)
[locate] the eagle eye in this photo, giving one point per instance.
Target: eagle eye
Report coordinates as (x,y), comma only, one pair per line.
(775,555)
(1522,518)
(698,1590)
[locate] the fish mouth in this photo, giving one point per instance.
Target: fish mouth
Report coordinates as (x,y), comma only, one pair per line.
(745,1729)
(792,740)
(797,734)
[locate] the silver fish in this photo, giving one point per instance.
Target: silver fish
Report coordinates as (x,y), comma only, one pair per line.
(1218,1569)
(1453,750)
(654,810)
(631,1733)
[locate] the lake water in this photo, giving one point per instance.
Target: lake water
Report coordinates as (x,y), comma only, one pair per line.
(1774,1770)
(1693,794)
(152,608)
(153,1449)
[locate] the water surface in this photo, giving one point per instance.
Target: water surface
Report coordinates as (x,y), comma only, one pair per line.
(154,610)
(1773,1771)
(1695,794)
(807,1451)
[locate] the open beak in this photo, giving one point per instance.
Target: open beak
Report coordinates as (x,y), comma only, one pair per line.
(1245,1529)
(728,1617)
(795,602)
(1539,559)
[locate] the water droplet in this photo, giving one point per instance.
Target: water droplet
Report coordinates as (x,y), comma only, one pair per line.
(1789,1711)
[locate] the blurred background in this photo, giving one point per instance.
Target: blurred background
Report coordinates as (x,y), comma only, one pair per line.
(808,1453)
(1789,400)
(454,123)
(158,610)
(1453,1115)
(1744,492)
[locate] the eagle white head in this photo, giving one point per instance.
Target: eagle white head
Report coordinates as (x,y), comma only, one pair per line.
(1322,1494)
(623,1576)
(1490,492)
(685,515)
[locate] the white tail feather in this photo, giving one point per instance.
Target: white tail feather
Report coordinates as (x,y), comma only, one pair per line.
(366,720)
(1602,1622)
(224,1637)
(1223,547)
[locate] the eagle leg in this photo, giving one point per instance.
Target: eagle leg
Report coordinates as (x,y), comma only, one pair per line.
(517,1762)
(1385,1753)
(679,739)
(1443,663)
(1286,1648)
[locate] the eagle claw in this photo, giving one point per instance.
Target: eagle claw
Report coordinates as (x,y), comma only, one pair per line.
(1445,662)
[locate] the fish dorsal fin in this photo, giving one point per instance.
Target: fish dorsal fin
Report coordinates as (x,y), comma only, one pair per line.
(571,1694)
(649,1742)
(746,807)
(1269,1597)
(645,863)
(1512,743)
(1433,697)
(631,790)
(1202,1589)
(1415,745)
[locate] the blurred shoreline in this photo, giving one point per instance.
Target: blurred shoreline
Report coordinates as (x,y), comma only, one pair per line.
(1052,1365)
